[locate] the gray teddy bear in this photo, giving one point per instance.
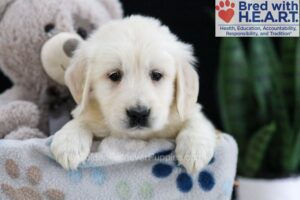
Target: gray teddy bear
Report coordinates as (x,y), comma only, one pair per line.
(25,26)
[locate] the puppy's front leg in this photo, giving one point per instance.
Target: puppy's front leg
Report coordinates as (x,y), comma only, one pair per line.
(71,145)
(196,142)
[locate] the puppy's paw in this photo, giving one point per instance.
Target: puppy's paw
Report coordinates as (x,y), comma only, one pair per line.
(194,151)
(70,148)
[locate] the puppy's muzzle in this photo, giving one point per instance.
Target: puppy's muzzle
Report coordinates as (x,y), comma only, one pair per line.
(138,116)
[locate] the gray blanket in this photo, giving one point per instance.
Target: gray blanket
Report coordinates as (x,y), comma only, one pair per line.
(116,169)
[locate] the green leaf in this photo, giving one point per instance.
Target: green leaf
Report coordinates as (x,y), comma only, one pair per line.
(279,107)
(297,88)
(278,102)
(261,72)
(295,158)
(234,89)
(287,70)
(256,150)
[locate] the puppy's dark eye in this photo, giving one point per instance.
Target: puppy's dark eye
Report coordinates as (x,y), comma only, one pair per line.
(155,75)
(49,27)
(115,76)
(82,32)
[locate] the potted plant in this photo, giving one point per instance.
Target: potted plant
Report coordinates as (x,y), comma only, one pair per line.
(259,99)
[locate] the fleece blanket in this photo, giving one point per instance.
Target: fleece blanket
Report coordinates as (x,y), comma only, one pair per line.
(116,169)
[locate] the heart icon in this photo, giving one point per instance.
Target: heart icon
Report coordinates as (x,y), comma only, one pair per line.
(226,15)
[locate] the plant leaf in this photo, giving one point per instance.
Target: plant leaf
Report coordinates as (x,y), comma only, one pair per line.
(279,108)
(261,72)
(296,152)
(256,150)
(287,70)
(278,102)
(297,88)
(234,89)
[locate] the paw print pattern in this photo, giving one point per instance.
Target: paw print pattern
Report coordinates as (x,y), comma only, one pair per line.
(184,181)
(206,180)
(97,175)
(124,191)
(34,176)
(225,10)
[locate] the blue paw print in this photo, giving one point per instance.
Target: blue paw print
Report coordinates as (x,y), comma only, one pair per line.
(2,141)
(97,175)
(184,181)
(206,180)
(162,170)
(75,176)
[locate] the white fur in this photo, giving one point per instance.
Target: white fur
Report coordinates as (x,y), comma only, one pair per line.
(135,45)
(72,144)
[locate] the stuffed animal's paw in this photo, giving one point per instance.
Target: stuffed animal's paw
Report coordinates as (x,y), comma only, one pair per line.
(70,148)
(18,114)
(24,133)
(194,151)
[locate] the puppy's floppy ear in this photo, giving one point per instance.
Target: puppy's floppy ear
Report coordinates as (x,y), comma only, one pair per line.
(187,82)
(78,79)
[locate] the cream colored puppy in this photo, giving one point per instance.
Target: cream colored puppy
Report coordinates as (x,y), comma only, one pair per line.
(134,78)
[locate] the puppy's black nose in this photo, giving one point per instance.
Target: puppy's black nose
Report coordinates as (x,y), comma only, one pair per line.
(138,116)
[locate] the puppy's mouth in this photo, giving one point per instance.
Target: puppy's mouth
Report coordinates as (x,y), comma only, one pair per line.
(138,131)
(138,128)
(138,124)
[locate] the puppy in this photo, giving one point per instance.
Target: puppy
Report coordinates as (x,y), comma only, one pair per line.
(134,79)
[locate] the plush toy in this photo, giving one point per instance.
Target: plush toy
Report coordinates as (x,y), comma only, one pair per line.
(25,26)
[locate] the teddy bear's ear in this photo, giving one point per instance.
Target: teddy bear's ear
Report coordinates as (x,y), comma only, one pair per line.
(57,53)
(4,5)
(114,7)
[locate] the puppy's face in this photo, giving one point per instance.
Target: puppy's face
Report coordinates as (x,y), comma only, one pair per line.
(132,72)
(133,82)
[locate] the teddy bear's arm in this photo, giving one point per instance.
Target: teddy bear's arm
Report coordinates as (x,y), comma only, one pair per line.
(13,94)
(18,117)
(18,114)
(24,132)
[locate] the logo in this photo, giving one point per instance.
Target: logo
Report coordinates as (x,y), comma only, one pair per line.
(257,18)
(225,10)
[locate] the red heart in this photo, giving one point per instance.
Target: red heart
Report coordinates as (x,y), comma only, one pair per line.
(226,15)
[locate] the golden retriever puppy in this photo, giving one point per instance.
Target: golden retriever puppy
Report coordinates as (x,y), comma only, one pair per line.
(134,79)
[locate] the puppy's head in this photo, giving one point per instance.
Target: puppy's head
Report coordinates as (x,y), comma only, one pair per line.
(138,72)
